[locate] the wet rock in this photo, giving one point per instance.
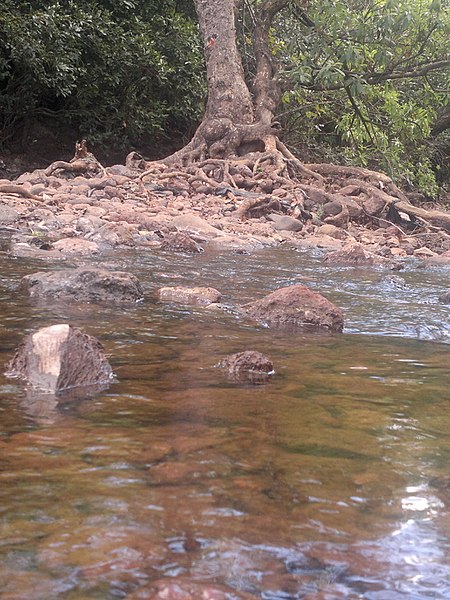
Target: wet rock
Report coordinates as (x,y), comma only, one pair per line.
(76,246)
(296,307)
(59,357)
(180,241)
(354,254)
(424,252)
(8,214)
(25,250)
(248,367)
(195,224)
(199,296)
(445,298)
(239,244)
(442,260)
(85,284)
(284,222)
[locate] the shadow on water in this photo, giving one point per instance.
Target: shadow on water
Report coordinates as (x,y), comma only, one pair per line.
(330,482)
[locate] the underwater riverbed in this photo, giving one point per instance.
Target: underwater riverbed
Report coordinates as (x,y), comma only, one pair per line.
(330,482)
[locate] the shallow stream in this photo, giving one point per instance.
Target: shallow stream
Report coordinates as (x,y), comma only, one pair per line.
(331,482)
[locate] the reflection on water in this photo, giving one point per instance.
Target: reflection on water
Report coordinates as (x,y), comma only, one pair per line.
(330,482)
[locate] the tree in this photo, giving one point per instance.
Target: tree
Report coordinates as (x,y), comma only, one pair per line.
(342,50)
(234,120)
(238,143)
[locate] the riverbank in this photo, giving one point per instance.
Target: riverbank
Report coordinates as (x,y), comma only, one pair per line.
(80,209)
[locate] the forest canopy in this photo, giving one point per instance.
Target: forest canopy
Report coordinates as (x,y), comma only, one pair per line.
(363,82)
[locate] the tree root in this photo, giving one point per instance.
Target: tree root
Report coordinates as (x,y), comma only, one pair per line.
(82,162)
(14,188)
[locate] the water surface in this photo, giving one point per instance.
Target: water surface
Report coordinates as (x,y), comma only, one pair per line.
(330,482)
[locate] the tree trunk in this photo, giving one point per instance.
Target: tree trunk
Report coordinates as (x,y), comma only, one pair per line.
(235,121)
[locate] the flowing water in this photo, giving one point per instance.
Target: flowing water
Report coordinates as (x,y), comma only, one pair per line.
(330,482)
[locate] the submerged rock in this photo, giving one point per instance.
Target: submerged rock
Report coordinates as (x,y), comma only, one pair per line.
(445,298)
(85,284)
(248,367)
(199,296)
(175,588)
(354,254)
(180,241)
(60,357)
(296,307)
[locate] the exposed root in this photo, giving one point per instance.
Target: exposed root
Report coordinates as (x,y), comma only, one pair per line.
(380,180)
(257,207)
(14,188)
(82,162)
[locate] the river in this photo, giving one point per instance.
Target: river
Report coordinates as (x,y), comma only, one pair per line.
(331,482)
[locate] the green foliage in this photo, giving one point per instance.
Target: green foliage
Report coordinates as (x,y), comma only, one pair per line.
(117,69)
(363,85)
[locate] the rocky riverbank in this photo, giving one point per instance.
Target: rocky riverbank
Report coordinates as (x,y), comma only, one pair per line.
(60,212)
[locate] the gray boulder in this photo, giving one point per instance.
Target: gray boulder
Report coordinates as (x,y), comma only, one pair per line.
(85,284)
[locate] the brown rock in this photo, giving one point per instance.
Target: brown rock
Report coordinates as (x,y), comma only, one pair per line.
(59,357)
(424,252)
(284,222)
(199,296)
(354,209)
(180,241)
(79,247)
(355,254)
(8,214)
(296,307)
(248,367)
(374,206)
(195,224)
(336,214)
(332,231)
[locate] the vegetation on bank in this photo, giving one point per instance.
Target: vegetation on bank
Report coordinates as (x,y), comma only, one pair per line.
(363,82)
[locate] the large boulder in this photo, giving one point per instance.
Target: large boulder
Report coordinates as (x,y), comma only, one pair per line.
(248,367)
(58,358)
(199,296)
(296,307)
(85,284)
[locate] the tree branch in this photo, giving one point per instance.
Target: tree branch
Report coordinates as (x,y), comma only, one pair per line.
(376,78)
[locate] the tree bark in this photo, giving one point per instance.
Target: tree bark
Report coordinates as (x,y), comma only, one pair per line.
(235,121)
